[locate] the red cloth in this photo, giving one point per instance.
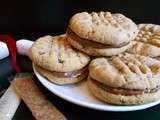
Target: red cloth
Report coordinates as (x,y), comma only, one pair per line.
(11,43)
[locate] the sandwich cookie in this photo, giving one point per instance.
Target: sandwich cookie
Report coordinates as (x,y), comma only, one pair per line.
(147,42)
(102,33)
(125,79)
(56,60)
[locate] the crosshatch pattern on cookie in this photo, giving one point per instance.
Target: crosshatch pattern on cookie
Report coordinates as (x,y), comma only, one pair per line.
(127,70)
(104,27)
(147,42)
(149,33)
(135,64)
(56,54)
(107,18)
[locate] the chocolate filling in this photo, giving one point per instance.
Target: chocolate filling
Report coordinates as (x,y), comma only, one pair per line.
(72,74)
(89,43)
(123,91)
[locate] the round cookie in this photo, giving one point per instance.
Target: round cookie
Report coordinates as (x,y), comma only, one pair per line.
(55,59)
(120,99)
(126,78)
(56,54)
(102,33)
(62,80)
(147,42)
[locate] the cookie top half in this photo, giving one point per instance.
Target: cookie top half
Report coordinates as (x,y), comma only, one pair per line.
(56,54)
(126,71)
(104,27)
(147,42)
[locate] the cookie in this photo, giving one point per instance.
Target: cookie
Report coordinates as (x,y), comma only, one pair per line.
(56,60)
(126,78)
(62,78)
(120,99)
(56,54)
(147,42)
(102,33)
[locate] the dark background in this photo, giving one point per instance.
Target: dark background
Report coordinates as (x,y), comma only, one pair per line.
(35,17)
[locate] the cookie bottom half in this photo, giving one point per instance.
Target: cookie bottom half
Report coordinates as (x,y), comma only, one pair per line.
(61,80)
(98,51)
(121,99)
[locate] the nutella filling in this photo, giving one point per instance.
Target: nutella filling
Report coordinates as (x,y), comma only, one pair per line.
(72,74)
(88,43)
(123,91)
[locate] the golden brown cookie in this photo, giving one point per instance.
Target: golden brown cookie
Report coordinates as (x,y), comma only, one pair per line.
(58,61)
(147,42)
(127,77)
(102,93)
(56,54)
(62,78)
(102,33)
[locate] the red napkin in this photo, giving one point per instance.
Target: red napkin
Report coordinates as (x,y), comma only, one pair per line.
(11,43)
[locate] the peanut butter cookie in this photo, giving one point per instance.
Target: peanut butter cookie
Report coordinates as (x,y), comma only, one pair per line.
(58,61)
(147,41)
(102,33)
(125,79)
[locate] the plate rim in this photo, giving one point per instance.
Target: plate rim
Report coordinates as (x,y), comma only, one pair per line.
(112,108)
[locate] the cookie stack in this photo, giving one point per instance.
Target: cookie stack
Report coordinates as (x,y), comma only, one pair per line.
(55,59)
(125,79)
(123,72)
(101,34)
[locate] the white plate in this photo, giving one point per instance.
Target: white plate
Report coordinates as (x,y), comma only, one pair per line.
(79,94)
